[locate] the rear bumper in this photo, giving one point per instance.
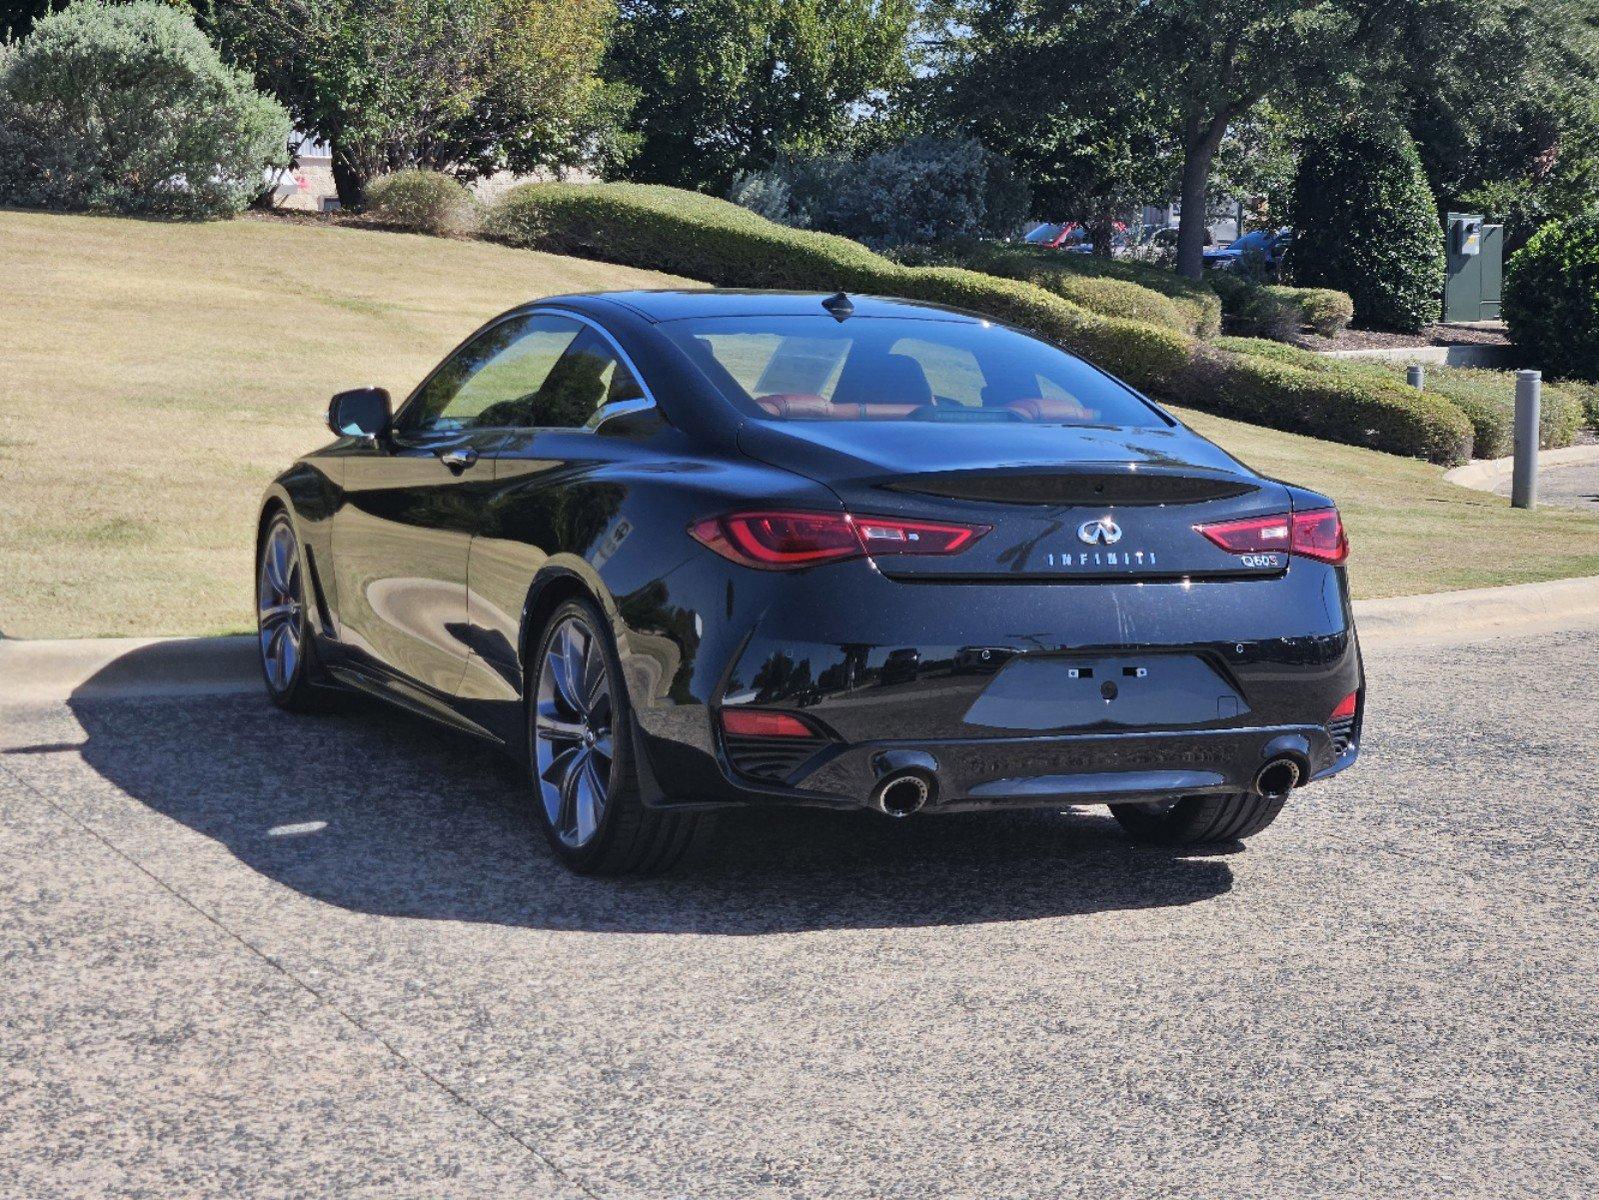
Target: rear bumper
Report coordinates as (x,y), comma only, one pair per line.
(987,682)
(1099,768)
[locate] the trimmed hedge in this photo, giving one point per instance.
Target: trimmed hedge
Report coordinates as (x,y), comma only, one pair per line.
(1266,390)
(1110,287)
(1366,223)
(1277,312)
(1487,398)
(685,233)
(422,202)
(1552,297)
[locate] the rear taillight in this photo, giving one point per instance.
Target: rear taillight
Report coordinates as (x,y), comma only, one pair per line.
(755,722)
(1346,707)
(782,541)
(1318,534)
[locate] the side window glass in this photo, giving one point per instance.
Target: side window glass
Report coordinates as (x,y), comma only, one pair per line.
(586,376)
(496,379)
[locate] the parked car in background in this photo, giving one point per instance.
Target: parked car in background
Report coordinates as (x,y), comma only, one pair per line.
(1270,245)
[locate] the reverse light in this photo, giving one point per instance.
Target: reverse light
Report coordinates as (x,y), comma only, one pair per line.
(1345,709)
(785,541)
(755,722)
(1318,534)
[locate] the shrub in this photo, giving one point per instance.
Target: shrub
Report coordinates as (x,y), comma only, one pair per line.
(1551,297)
(422,202)
(686,233)
(923,190)
(1486,398)
(1366,224)
(1268,390)
(1277,312)
(128,108)
(1110,287)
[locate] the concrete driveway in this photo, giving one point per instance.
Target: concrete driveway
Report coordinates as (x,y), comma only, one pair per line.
(248,954)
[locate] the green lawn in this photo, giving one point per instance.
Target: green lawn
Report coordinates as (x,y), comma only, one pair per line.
(156,375)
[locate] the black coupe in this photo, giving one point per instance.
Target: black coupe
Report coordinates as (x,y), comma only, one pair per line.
(685,550)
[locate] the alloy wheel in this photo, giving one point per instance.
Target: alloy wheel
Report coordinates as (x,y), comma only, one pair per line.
(280,600)
(572,729)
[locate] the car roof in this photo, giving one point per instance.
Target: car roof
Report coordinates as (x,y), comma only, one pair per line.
(676,305)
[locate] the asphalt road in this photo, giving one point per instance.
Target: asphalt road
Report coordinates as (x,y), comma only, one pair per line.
(249,954)
(1574,485)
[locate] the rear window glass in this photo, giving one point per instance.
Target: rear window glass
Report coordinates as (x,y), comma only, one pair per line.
(803,368)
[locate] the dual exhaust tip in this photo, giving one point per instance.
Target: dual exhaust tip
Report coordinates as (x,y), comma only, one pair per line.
(1277,778)
(901,792)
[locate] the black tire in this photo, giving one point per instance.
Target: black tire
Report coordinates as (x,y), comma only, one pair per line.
(627,838)
(1198,820)
(302,685)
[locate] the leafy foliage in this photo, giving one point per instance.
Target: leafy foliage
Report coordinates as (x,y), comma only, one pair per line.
(1269,384)
(464,86)
(1551,297)
(1486,398)
(127,108)
(730,85)
(422,202)
(1278,312)
(684,233)
(1366,224)
(925,190)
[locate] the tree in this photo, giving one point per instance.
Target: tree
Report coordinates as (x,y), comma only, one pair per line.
(463,86)
(1366,223)
(1505,112)
(1193,69)
(127,108)
(1092,143)
(727,85)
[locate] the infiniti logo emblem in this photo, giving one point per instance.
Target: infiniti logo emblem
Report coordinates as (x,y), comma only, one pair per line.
(1100,532)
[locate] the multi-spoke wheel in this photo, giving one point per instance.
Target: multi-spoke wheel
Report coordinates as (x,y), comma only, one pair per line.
(287,656)
(582,766)
(572,730)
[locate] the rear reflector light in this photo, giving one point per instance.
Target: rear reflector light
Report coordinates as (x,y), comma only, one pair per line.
(747,722)
(1346,708)
(1318,534)
(780,541)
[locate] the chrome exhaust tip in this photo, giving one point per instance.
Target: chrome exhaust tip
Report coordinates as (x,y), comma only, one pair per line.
(901,794)
(1277,778)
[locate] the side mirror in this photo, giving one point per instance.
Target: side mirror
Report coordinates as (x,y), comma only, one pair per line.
(360,412)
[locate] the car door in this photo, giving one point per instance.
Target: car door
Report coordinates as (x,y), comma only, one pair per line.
(551,497)
(414,501)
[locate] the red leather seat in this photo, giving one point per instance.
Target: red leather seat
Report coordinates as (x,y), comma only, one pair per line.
(1040,408)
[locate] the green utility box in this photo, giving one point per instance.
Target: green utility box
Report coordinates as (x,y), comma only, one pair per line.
(1476,268)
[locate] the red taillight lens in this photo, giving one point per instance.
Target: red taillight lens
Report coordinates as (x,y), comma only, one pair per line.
(1318,534)
(780,541)
(754,722)
(1346,707)
(1254,535)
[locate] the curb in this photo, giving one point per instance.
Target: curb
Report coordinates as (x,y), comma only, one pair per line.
(45,672)
(1484,474)
(35,672)
(1469,354)
(1521,606)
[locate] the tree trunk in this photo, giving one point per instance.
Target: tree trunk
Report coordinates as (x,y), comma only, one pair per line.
(349,178)
(1102,233)
(1200,143)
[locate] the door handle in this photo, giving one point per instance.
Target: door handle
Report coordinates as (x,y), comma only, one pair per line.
(459,459)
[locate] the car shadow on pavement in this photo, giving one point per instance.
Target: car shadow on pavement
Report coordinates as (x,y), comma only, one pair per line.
(379,812)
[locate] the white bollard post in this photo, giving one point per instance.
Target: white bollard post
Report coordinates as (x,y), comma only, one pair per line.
(1529,397)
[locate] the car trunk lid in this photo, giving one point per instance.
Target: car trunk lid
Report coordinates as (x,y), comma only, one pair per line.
(1062,503)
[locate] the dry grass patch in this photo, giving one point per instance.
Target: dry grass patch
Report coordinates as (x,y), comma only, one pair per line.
(157,375)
